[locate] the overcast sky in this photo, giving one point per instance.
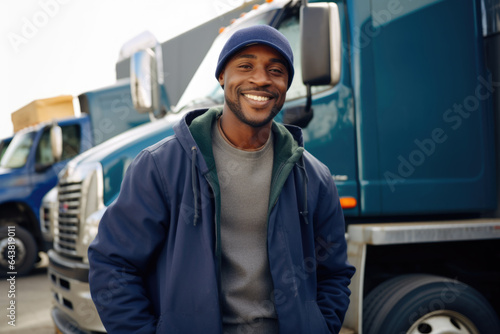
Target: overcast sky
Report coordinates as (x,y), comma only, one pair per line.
(59,47)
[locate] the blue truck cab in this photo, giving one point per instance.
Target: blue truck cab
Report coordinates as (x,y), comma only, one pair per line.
(399,98)
(29,168)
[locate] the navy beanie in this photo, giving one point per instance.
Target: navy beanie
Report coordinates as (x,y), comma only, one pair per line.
(257,34)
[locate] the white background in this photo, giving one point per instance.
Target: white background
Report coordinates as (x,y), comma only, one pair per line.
(60,47)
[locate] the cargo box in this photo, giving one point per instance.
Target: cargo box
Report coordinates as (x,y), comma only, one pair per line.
(43,110)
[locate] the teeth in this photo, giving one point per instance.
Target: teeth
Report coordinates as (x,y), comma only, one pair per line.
(257,98)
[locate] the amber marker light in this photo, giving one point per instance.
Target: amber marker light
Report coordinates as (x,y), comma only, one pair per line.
(348,202)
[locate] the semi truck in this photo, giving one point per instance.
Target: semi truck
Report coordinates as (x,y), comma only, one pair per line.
(48,135)
(399,98)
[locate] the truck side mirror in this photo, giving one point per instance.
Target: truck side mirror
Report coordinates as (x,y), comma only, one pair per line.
(56,141)
(146,78)
(320,42)
(144,81)
(321,47)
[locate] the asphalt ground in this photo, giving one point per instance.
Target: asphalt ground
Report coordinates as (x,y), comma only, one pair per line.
(32,301)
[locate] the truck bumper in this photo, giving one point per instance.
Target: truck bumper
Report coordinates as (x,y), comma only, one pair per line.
(74,311)
(64,324)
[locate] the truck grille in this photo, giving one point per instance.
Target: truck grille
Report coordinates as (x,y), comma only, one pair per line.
(69,217)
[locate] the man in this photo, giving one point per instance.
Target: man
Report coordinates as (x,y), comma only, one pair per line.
(228,226)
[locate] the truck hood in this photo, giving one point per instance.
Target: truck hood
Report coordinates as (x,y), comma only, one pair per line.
(133,136)
(13,184)
(9,177)
(116,154)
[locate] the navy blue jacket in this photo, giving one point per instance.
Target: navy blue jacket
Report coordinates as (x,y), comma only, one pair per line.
(155,263)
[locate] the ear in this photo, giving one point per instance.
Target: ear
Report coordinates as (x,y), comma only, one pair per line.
(221,79)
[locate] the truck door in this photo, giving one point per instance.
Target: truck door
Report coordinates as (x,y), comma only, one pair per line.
(330,134)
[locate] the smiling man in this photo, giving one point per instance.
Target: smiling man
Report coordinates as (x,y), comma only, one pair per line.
(229,226)
(255,81)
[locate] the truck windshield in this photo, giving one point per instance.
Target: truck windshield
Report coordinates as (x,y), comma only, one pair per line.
(17,153)
(199,93)
(4,143)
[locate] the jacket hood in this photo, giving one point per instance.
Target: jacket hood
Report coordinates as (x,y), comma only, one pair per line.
(195,129)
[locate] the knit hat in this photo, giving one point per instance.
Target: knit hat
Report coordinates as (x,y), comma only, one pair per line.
(257,34)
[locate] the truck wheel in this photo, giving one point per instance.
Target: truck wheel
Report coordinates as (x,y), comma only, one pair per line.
(24,253)
(416,304)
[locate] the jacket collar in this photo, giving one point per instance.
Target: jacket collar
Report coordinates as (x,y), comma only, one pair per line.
(196,129)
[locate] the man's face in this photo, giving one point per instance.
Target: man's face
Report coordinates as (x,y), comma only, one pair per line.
(255,82)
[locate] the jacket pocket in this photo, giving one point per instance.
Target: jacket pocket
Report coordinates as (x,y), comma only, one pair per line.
(315,319)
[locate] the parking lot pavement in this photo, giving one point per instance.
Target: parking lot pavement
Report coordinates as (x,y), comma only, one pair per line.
(26,303)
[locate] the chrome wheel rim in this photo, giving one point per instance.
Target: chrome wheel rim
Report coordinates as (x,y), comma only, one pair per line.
(443,322)
(19,253)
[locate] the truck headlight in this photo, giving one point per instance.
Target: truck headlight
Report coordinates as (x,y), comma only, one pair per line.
(48,214)
(90,227)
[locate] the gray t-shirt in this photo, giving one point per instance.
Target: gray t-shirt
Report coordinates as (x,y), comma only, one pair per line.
(245,181)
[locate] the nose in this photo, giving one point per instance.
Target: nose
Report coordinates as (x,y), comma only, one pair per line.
(260,77)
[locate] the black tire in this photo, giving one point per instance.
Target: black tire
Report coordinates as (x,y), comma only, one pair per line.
(25,251)
(416,303)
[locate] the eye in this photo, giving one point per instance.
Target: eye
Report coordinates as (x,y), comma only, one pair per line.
(245,66)
(277,70)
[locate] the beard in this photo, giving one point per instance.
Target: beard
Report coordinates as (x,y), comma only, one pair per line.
(236,108)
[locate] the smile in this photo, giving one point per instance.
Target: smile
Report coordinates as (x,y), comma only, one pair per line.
(257,98)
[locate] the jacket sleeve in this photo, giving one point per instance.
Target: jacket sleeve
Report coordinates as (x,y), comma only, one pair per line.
(129,235)
(333,270)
